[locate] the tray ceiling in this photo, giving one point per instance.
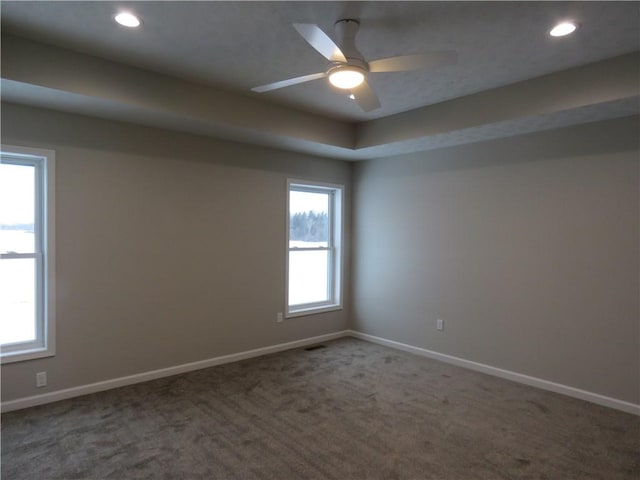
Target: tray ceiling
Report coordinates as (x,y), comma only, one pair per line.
(229,47)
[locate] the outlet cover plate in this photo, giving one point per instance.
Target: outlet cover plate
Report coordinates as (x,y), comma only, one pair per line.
(41,379)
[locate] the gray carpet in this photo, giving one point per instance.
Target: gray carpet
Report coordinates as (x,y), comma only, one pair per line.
(352,410)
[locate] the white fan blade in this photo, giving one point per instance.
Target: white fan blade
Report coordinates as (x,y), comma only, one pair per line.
(320,41)
(289,82)
(414,62)
(366,97)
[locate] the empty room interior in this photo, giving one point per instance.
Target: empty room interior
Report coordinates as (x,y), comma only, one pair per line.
(320,240)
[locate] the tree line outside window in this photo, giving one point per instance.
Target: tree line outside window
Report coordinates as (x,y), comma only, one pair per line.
(309,227)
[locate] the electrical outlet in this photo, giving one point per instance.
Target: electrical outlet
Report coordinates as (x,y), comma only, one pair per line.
(41,379)
(279,317)
(440,324)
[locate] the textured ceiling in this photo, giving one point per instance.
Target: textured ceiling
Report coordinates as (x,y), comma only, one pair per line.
(191,65)
(238,45)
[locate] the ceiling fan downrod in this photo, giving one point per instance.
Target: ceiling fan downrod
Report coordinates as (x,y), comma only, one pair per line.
(346,31)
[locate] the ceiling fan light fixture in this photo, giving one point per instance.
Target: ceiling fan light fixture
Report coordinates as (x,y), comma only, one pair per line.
(346,78)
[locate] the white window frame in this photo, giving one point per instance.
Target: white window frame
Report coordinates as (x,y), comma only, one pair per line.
(44,253)
(335,247)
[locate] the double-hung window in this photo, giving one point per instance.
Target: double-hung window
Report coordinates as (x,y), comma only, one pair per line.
(26,253)
(314,243)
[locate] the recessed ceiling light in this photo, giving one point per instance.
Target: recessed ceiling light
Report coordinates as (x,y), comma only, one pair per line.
(562,29)
(127,19)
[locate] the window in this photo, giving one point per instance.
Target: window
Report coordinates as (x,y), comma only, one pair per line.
(26,253)
(314,244)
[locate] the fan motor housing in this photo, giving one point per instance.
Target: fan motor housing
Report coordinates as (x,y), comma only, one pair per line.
(354,63)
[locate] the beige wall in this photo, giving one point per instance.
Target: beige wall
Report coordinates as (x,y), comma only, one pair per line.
(170,247)
(527,247)
(170,250)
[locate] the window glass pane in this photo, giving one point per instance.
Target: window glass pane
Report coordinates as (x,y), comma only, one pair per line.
(17,300)
(17,211)
(308,277)
(308,219)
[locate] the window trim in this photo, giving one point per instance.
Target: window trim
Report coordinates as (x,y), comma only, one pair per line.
(336,248)
(44,254)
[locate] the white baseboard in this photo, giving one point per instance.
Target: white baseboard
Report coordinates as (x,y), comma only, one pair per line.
(507,374)
(49,397)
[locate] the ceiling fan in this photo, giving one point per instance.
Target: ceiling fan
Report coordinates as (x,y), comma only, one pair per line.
(347,68)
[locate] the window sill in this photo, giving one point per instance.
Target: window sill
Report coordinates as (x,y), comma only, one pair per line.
(12,357)
(303,311)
